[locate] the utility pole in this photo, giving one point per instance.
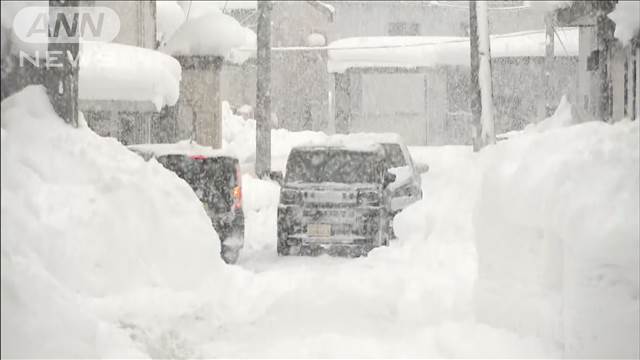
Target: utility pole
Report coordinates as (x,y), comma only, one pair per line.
(488,134)
(482,104)
(61,79)
(263,90)
(474,85)
(549,21)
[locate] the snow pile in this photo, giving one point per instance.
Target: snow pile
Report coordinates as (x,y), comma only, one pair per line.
(626,15)
(86,222)
(260,205)
(110,71)
(562,117)
(223,35)
(557,234)
(428,51)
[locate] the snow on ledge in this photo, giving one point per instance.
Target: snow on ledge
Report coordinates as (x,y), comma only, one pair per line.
(428,51)
(110,71)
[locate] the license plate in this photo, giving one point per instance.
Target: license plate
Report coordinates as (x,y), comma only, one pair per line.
(322,230)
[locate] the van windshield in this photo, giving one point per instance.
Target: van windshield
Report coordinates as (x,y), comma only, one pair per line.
(333,165)
(394,157)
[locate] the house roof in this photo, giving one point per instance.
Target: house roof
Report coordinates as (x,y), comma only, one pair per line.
(429,51)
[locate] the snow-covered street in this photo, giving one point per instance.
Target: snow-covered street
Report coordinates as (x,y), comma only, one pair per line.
(426,295)
(320,179)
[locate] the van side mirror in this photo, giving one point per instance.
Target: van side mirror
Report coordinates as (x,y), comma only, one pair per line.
(422,168)
(388,179)
(276,176)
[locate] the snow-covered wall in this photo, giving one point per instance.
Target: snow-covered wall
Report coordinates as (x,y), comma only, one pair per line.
(557,234)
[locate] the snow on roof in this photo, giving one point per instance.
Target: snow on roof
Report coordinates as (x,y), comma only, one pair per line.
(427,51)
(169,17)
(110,71)
(184,147)
(626,15)
(208,31)
(356,147)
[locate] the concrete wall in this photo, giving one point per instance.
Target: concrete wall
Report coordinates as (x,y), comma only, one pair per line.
(137,21)
(131,122)
(238,84)
(299,80)
(199,114)
(370,100)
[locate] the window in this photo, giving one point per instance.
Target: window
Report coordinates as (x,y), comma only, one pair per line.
(404,29)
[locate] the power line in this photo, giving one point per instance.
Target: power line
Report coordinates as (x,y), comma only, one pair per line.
(395,46)
(503,8)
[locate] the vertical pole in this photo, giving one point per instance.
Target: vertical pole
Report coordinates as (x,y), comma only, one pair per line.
(474,85)
(637,92)
(61,79)
(549,20)
(263,90)
(603,111)
(484,74)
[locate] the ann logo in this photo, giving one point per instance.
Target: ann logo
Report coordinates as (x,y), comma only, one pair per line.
(41,24)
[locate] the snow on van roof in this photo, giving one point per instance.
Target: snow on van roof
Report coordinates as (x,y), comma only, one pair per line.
(428,51)
(354,142)
(184,147)
(110,71)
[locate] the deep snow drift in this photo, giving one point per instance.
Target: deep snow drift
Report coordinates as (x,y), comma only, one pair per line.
(80,219)
(558,236)
(105,255)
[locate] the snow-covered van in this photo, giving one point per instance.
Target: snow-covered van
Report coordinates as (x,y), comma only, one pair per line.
(334,199)
(215,178)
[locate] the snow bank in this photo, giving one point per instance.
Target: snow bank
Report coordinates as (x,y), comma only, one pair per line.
(224,34)
(626,15)
(557,234)
(85,220)
(416,51)
(110,71)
